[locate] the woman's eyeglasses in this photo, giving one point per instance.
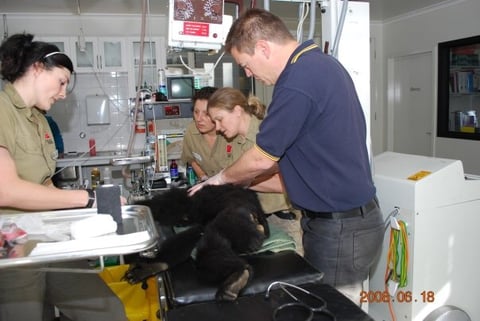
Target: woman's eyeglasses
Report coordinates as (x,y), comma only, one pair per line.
(306,304)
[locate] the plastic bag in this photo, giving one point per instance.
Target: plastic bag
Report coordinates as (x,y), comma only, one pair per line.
(139,304)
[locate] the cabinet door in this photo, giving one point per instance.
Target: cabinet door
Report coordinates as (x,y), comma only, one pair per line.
(154,52)
(85,54)
(112,54)
(99,54)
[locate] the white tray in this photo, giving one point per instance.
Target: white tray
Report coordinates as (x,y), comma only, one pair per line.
(136,234)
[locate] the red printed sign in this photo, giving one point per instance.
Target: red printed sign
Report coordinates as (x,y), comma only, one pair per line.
(196,29)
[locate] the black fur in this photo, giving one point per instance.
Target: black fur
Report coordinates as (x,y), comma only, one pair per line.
(224,221)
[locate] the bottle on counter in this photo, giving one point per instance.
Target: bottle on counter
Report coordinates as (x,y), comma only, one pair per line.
(162,82)
(95,177)
(191,177)
(92,147)
(173,170)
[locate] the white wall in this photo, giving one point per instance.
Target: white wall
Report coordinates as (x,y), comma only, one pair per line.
(378,117)
(420,32)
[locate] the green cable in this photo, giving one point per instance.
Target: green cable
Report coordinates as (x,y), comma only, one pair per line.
(400,266)
(403,263)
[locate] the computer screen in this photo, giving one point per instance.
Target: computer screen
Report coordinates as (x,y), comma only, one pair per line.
(180,87)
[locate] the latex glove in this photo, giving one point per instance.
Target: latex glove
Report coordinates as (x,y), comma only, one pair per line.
(214,180)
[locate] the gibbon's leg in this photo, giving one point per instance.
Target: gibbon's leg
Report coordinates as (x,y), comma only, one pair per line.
(219,264)
(178,248)
(171,252)
(234,231)
(231,287)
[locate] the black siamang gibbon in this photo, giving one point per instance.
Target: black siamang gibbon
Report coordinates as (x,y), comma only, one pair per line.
(221,223)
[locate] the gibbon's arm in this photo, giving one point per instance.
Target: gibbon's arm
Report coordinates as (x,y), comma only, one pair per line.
(24,195)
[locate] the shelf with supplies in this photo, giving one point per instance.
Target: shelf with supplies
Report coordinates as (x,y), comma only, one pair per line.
(464,80)
(459,88)
(75,170)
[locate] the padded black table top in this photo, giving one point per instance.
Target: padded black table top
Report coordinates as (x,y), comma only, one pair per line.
(258,308)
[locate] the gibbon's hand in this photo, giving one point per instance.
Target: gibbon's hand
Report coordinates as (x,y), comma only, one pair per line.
(214,180)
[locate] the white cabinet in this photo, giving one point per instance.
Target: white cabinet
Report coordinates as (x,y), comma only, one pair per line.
(154,58)
(98,54)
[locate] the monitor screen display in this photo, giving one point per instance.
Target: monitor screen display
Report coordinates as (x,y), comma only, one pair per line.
(180,87)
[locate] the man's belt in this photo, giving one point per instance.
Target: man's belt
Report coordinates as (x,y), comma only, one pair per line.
(285,215)
(358,211)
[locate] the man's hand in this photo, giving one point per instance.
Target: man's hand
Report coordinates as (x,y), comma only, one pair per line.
(214,180)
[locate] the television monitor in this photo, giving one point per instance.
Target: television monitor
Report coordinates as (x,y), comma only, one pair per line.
(180,87)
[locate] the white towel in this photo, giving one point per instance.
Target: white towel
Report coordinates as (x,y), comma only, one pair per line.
(93,226)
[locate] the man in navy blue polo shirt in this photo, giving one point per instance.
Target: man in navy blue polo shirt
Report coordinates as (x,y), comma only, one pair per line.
(315,131)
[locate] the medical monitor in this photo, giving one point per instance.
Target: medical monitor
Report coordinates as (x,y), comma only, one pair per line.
(180,87)
(197,24)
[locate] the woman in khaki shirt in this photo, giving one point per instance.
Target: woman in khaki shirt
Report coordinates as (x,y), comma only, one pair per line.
(238,117)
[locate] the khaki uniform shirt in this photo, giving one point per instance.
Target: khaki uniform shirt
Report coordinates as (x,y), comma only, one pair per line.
(271,202)
(25,133)
(196,148)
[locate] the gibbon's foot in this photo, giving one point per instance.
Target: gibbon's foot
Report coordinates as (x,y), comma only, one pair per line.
(233,285)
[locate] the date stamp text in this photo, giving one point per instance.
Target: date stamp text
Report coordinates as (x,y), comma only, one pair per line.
(400,297)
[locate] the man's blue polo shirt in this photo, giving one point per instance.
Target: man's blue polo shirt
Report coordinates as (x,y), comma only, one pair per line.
(315,128)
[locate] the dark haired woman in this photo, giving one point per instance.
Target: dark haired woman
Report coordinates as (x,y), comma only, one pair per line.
(37,75)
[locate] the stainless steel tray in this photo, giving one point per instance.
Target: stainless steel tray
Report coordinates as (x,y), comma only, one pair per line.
(136,234)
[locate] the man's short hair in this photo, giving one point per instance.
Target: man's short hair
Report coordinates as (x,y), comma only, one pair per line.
(256,24)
